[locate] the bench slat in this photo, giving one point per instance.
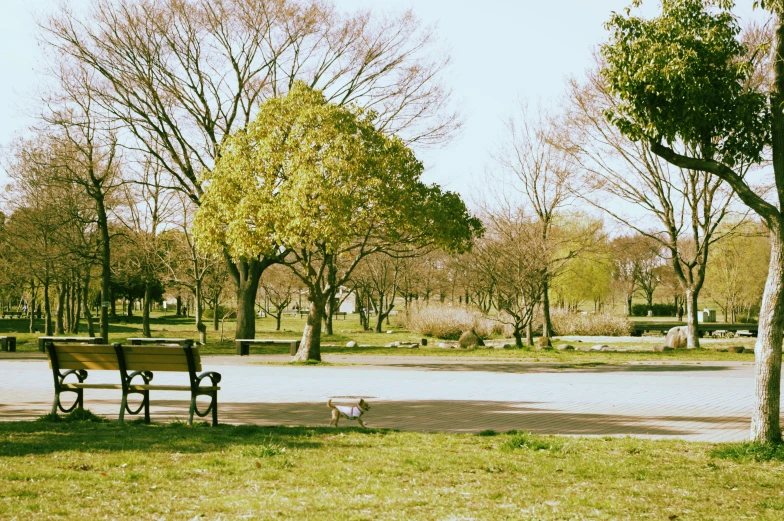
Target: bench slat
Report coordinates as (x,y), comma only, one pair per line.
(84,348)
(153,387)
(92,386)
(155,349)
(153,366)
(95,365)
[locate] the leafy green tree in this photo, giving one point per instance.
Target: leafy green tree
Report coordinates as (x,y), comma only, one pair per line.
(683,81)
(320,182)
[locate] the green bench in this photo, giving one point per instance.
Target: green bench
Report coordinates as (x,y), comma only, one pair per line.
(131,362)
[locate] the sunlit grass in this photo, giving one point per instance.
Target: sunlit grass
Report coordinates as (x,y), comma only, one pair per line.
(84,470)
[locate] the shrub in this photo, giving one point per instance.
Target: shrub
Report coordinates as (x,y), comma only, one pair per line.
(659,310)
(446,322)
(566,323)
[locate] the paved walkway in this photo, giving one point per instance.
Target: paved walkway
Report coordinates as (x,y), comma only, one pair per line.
(695,401)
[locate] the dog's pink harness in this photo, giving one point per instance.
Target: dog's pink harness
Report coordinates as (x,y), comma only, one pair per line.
(349,412)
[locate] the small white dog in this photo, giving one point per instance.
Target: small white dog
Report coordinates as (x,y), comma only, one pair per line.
(350,413)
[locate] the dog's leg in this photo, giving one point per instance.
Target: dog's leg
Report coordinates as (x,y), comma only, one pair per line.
(362,424)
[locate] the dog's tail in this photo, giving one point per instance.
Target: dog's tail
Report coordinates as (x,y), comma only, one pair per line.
(329,404)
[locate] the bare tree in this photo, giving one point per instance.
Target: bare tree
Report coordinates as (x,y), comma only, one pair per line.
(278,287)
(181,76)
(515,251)
(688,204)
(537,168)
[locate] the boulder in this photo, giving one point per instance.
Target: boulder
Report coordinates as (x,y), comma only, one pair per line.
(469,339)
(423,341)
(351,344)
(736,349)
(543,343)
(390,332)
(506,346)
(676,337)
(565,347)
(661,349)
(600,347)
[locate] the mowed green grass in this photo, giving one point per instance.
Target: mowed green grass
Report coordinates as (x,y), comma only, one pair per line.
(348,329)
(85,470)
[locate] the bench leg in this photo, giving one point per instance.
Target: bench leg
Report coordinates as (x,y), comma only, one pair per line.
(123,406)
(56,403)
(192,411)
(146,406)
(215,409)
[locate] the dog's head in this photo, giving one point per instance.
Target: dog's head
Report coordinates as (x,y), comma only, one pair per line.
(363,405)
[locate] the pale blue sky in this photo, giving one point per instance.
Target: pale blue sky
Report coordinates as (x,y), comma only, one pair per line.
(501,51)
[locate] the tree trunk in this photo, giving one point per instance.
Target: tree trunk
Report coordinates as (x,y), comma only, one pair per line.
(529,334)
(246,276)
(200,326)
(310,347)
(179,306)
(693,338)
(129,310)
(518,339)
(380,314)
(277,320)
(31,314)
(69,315)
(215,322)
(765,421)
(47,310)
(629,305)
(59,329)
(106,269)
(77,314)
(146,303)
(547,324)
(86,302)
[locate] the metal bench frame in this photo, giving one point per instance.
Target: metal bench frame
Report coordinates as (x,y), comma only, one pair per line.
(128,387)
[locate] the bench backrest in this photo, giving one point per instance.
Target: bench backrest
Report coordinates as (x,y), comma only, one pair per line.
(101,357)
(97,357)
(160,357)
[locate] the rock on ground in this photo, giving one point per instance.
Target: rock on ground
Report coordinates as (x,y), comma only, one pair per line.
(565,347)
(469,339)
(543,342)
(677,337)
(351,344)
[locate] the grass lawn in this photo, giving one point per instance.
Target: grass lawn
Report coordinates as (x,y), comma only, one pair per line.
(84,470)
(372,343)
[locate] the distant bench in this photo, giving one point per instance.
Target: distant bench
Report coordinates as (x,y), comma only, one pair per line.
(303,313)
(160,340)
(76,359)
(243,345)
(12,314)
(8,343)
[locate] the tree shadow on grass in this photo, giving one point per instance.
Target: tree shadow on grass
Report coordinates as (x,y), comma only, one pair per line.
(46,437)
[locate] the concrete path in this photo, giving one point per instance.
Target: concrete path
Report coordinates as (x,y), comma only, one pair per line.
(694,401)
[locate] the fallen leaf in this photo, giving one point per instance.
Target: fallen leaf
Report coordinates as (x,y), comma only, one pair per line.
(258,465)
(673,517)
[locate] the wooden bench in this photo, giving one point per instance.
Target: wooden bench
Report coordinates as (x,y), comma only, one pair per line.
(42,340)
(12,314)
(77,359)
(338,314)
(243,345)
(8,343)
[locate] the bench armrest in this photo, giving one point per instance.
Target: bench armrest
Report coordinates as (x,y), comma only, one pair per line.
(212,375)
(81,375)
(146,376)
